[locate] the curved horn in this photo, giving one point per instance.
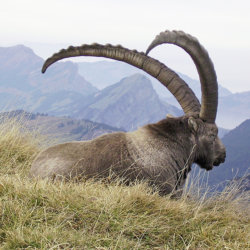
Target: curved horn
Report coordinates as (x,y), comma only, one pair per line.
(204,65)
(181,91)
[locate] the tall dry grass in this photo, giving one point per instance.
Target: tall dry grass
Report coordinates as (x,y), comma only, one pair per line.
(95,215)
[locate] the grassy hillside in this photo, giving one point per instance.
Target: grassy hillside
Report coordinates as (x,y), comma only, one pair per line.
(95,215)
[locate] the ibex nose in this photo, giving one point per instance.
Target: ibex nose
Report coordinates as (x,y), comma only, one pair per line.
(224,157)
(220,159)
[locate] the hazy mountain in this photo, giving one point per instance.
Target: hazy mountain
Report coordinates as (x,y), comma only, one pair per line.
(104,73)
(59,129)
(233,108)
(62,91)
(23,85)
(130,103)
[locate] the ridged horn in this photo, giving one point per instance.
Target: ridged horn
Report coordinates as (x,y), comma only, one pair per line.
(178,87)
(204,65)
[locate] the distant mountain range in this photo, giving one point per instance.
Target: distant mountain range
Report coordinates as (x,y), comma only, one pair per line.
(104,73)
(20,68)
(129,103)
(233,108)
(58,129)
(22,86)
(65,90)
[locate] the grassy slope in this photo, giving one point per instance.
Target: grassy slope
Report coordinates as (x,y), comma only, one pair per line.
(93,215)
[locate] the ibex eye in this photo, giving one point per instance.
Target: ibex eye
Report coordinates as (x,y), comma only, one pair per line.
(212,137)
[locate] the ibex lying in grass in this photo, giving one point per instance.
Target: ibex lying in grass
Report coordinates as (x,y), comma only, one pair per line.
(161,153)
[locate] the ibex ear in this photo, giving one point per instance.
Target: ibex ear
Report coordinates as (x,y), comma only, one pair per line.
(192,124)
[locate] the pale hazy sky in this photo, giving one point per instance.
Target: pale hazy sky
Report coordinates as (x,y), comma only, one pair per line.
(222,26)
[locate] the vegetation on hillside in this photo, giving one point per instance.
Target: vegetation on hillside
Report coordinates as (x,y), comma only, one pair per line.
(38,214)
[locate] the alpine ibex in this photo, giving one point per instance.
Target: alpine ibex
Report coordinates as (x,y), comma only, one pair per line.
(161,153)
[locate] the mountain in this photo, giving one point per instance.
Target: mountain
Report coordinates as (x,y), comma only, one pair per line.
(104,73)
(63,92)
(129,104)
(23,86)
(58,129)
(232,110)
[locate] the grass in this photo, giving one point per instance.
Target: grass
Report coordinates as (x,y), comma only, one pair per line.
(95,215)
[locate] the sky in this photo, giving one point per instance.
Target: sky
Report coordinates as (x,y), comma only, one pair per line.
(222,26)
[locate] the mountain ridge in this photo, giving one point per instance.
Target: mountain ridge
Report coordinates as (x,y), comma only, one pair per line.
(118,105)
(62,91)
(116,70)
(233,108)
(21,68)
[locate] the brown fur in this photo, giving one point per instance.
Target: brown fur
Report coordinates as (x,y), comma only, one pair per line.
(161,153)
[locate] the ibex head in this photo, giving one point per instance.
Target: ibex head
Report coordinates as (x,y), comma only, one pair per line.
(210,150)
